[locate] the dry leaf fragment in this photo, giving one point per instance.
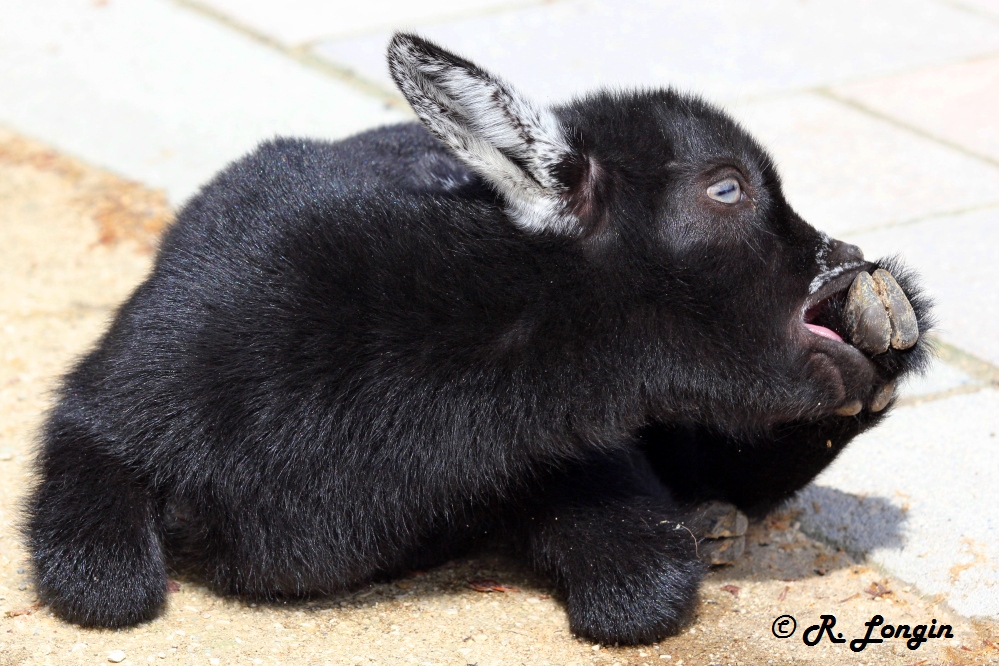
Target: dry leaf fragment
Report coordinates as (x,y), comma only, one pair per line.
(27,610)
(783,595)
(731,589)
(488,585)
(850,598)
(878,589)
(172,585)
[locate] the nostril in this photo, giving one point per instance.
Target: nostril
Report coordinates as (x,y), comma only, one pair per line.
(853,252)
(841,253)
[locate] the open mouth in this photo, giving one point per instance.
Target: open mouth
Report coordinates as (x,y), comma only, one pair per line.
(822,313)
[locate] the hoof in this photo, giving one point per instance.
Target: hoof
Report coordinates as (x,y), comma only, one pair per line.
(867,325)
(904,328)
(878,316)
(721,531)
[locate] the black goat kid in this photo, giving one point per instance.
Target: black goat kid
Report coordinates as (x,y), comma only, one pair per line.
(559,329)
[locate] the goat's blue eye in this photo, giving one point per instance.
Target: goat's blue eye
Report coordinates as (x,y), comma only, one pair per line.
(726,191)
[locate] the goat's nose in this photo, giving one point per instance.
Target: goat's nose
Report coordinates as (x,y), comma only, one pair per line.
(842,253)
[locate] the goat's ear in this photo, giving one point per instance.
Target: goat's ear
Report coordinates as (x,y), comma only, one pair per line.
(518,147)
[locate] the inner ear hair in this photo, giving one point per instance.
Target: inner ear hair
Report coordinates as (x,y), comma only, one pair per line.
(588,191)
(520,148)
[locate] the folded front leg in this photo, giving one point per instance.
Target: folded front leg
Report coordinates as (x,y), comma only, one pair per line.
(619,552)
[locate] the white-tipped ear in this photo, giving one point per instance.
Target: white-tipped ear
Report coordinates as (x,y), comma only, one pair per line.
(513,144)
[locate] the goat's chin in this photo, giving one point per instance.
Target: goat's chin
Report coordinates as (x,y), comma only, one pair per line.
(841,371)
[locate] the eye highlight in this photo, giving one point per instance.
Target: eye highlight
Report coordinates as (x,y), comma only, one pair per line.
(726,191)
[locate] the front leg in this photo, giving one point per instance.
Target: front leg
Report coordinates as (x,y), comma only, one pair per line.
(618,550)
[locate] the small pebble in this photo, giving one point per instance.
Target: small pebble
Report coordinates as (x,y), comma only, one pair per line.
(20,571)
(6,454)
(116,656)
(215,661)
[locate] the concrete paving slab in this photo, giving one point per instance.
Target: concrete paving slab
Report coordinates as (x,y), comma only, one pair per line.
(956,256)
(985,7)
(939,378)
(160,93)
(918,495)
(296,22)
(724,50)
(956,102)
(845,170)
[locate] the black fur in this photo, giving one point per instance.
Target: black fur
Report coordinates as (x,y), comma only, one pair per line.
(355,358)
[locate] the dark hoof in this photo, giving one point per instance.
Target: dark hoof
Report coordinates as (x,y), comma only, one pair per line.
(904,328)
(720,552)
(717,520)
(867,325)
(721,532)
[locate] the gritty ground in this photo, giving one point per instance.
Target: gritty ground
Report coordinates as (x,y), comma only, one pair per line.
(74,241)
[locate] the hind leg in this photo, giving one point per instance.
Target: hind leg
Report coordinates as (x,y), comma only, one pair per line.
(95,549)
(618,549)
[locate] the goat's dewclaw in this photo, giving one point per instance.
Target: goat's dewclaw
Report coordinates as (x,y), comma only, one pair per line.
(882,397)
(850,409)
(867,324)
(904,329)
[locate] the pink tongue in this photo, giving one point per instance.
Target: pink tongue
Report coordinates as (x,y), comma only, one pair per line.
(824,332)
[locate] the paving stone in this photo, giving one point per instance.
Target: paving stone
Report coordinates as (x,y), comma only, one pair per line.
(722,49)
(844,170)
(985,7)
(939,378)
(957,102)
(917,494)
(294,22)
(956,256)
(159,93)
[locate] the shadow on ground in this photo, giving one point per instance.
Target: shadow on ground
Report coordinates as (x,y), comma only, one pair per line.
(855,523)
